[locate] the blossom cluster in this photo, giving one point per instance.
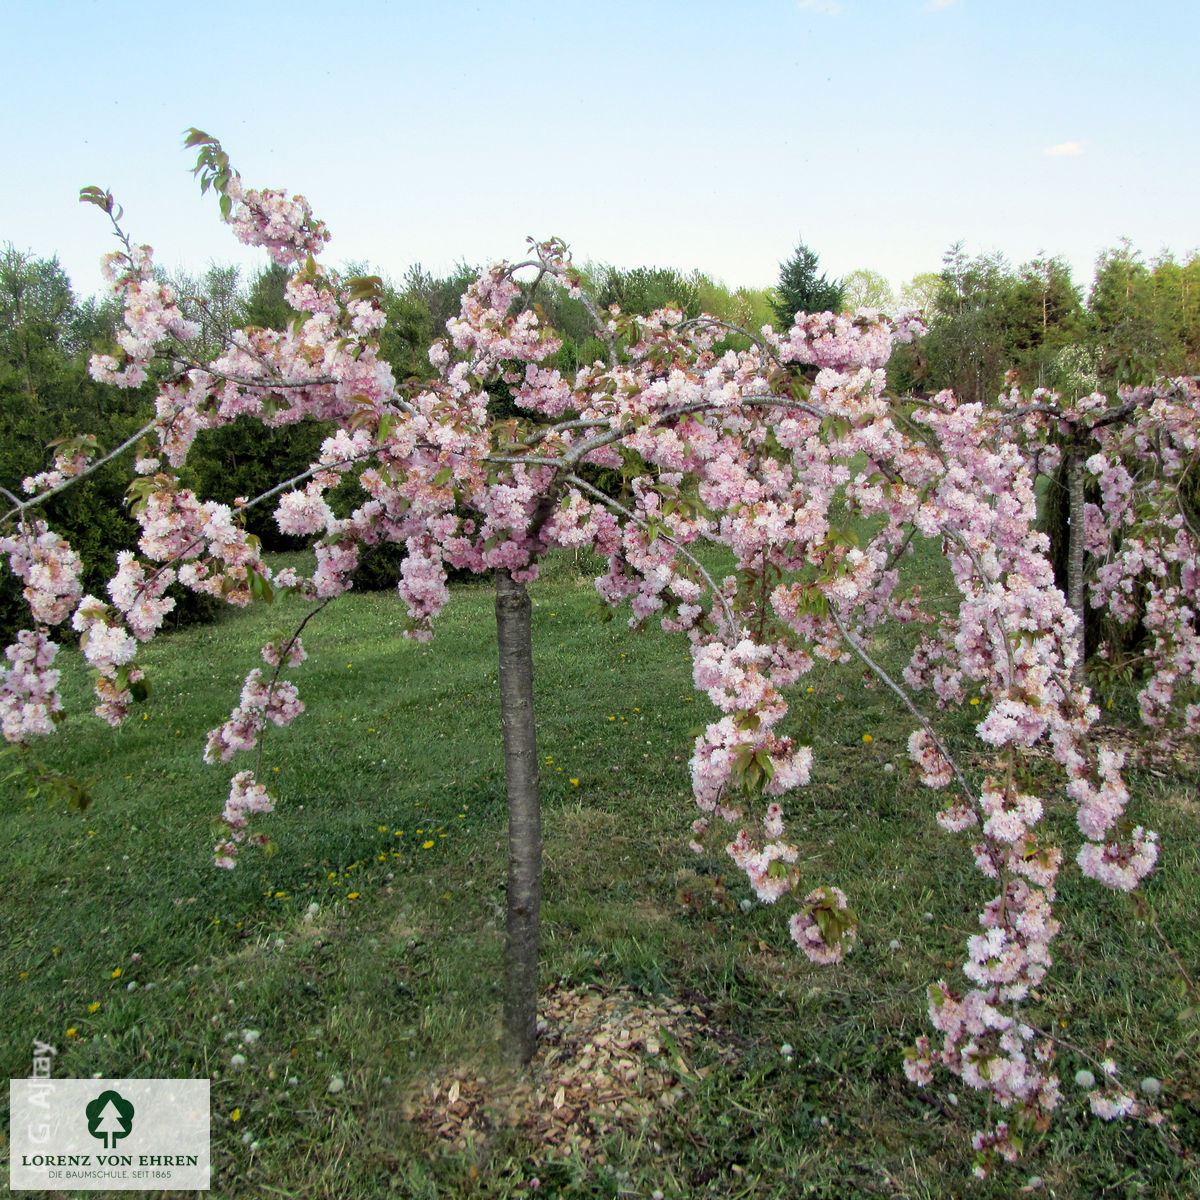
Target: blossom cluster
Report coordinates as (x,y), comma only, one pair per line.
(48,567)
(29,699)
(152,316)
(261,701)
(284,227)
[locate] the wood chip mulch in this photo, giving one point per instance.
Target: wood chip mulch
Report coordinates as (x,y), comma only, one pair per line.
(606,1060)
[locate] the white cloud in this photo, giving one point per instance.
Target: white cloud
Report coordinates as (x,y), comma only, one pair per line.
(1064,150)
(829,8)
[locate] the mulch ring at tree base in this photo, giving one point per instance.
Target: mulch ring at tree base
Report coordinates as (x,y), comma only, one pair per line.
(606,1060)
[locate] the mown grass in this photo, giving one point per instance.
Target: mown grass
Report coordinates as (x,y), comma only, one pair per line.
(126,949)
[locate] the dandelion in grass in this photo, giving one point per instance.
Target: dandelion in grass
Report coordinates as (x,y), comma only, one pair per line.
(352,895)
(94,1006)
(115,973)
(574,782)
(72,1032)
(867,739)
(236,1115)
(427,846)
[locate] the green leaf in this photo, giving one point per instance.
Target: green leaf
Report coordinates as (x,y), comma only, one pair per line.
(97,196)
(260,588)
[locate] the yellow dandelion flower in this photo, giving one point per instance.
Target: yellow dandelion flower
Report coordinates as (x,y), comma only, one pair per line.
(867,738)
(352,895)
(236,1115)
(574,782)
(974,699)
(72,1031)
(116,974)
(427,846)
(94,1006)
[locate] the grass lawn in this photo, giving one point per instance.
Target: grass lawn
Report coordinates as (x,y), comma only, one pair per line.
(342,993)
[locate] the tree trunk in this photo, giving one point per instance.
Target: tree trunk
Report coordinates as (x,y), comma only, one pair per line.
(1075,545)
(515,641)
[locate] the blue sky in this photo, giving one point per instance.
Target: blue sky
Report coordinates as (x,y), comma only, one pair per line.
(710,135)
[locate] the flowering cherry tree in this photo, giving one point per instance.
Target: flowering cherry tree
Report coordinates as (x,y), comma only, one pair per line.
(789,454)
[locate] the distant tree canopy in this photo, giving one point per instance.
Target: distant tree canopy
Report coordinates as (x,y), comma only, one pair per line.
(1140,321)
(990,318)
(1145,318)
(802,289)
(865,288)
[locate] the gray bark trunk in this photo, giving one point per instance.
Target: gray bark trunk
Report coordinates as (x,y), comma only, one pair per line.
(1075,546)
(515,641)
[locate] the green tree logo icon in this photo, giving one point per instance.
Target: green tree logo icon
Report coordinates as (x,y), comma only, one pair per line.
(109,1117)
